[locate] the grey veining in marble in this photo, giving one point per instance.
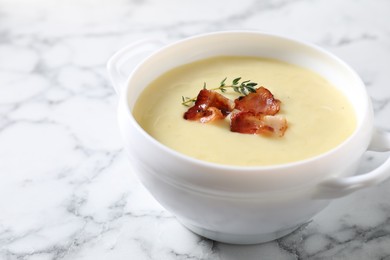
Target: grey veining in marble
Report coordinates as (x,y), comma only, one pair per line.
(66,189)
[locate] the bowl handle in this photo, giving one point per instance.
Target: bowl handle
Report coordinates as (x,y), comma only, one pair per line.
(335,187)
(124,61)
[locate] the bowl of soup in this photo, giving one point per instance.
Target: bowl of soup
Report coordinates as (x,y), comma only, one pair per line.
(234,187)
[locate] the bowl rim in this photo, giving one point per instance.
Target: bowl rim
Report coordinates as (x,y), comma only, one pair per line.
(253,168)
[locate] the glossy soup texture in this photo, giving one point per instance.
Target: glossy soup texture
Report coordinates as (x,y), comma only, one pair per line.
(319,116)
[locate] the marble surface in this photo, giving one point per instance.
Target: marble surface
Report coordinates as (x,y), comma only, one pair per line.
(66,189)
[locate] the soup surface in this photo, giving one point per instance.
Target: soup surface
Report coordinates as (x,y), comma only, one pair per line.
(319,116)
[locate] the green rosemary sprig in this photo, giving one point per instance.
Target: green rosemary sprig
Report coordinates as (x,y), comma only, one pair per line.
(244,88)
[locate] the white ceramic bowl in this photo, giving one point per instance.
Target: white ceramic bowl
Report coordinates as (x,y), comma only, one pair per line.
(243,205)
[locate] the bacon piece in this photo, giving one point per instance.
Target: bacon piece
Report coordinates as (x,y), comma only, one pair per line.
(211,114)
(262,101)
(251,123)
(209,106)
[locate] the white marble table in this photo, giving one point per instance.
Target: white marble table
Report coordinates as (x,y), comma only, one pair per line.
(66,189)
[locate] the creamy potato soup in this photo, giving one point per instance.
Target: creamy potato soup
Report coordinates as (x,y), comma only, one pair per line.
(319,116)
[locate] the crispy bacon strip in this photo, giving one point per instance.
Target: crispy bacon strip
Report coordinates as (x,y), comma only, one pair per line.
(209,106)
(262,101)
(250,123)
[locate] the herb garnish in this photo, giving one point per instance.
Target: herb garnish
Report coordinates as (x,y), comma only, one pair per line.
(245,87)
